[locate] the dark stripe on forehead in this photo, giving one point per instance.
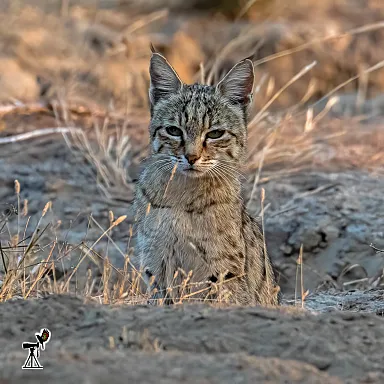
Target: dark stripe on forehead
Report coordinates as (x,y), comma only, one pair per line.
(184,110)
(179,119)
(208,119)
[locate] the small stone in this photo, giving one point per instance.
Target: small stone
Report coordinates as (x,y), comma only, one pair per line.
(287,249)
(323,244)
(310,239)
(331,232)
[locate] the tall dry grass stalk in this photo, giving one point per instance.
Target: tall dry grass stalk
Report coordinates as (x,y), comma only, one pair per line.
(299,271)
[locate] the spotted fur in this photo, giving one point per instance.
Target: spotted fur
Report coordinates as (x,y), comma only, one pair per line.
(191,222)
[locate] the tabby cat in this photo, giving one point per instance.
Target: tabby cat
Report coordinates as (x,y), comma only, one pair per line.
(195,238)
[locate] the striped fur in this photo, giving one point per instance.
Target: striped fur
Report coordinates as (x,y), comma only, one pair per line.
(190,216)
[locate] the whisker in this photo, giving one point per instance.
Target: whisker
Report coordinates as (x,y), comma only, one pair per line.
(230,170)
(221,175)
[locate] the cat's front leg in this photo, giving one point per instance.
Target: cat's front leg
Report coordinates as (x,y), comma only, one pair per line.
(156,289)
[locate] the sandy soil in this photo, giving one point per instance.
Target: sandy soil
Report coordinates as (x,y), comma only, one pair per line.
(98,344)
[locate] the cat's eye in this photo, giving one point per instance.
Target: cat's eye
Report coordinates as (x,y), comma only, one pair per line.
(174,131)
(216,134)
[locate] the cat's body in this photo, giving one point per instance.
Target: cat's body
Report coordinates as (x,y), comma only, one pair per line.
(190,215)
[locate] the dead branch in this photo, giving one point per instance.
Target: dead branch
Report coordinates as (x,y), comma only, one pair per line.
(38,133)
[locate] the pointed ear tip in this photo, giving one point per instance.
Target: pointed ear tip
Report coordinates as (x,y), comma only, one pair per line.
(157,57)
(246,63)
(249,62)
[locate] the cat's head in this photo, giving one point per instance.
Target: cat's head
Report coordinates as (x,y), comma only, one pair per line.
(199,129)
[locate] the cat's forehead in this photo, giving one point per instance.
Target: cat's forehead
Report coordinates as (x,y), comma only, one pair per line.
(196,108)
(198,104)
(198,92)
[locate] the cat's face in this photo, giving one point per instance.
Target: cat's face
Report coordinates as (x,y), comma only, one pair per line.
(197,129)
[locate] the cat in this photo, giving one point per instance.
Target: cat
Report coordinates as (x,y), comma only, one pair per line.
(195,239)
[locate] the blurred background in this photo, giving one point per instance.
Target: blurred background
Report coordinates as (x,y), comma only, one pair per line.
(95,51)
(315,134)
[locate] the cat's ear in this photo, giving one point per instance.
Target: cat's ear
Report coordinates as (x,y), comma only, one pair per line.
(237,85)
(164,79)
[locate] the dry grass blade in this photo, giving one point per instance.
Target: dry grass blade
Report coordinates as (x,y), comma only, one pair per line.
(266,265)
(3,259)
(376,249)
(260,114)
(302,47)
(44,267)
(299,265)
(348,269)
(114,244)
(257,178)
(88,252)
(373,68)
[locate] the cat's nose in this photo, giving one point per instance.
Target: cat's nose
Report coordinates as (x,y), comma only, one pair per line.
(192,158)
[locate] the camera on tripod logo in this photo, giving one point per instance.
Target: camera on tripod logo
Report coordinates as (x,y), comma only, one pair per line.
(32,361)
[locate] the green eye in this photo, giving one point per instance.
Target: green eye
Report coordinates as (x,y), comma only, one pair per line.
(217,133)
(174,131)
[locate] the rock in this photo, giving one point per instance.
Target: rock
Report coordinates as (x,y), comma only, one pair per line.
(287,249)
(331,232)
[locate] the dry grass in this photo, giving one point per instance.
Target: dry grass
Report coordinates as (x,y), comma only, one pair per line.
(29,266)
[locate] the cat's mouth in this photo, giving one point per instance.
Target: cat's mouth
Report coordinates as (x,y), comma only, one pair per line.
(192,172)
(197,169)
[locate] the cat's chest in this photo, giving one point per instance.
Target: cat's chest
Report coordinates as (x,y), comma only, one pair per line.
(210,235)
(201,224)
(194,241)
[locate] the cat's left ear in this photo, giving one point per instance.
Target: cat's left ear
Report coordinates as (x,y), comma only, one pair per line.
(237,85)
(164,79)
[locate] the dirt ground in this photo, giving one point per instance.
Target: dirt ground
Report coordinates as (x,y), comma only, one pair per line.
(194,344)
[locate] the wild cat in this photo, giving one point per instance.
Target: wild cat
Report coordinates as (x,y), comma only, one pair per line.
(191,220)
